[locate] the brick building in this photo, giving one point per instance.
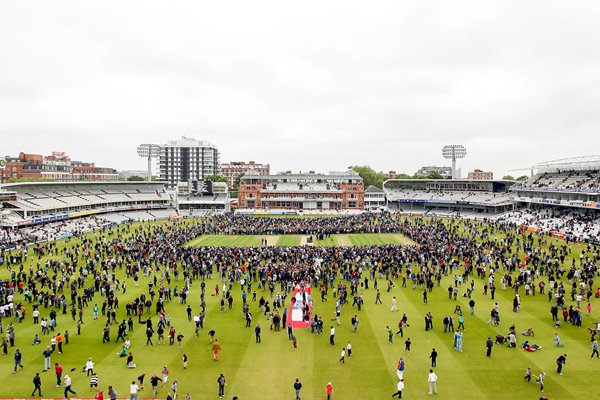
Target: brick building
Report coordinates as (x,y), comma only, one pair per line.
(233,170)
(480,175)
(57,167)
(334,191)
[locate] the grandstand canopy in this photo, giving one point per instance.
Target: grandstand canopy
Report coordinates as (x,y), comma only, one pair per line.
(448,184)
(62,185)
(582,163)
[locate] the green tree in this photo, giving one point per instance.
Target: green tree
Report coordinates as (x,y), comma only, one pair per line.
(508,178)
(135,178)
(434,175)
(236,181)
(404,176)
(522,178)
(215,178)
(370,176)
(17,180)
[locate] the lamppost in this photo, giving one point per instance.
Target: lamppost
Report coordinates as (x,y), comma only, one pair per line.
(149,151)
(452,152)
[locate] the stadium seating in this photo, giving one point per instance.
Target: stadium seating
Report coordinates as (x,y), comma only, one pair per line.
(579,181)
(581,224)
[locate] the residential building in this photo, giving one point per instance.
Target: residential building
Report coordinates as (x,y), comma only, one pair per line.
(445,172)
(56,167)
(187,160)
(233,170)
(480,175)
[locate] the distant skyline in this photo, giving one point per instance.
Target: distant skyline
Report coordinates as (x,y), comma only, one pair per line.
(312,86)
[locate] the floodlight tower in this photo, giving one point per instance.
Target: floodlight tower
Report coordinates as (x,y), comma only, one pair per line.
(452,152)
(149,151)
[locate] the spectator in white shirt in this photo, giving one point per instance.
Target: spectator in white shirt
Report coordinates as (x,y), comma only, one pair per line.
(432,382)
(133,391)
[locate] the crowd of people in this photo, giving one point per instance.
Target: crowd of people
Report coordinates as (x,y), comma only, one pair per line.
(90,271)
(24,236)
(574,225)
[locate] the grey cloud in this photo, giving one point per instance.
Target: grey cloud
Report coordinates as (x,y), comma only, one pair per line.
(311,86)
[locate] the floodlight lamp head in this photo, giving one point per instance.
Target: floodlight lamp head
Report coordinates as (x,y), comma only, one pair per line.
(454,151)
(148,150)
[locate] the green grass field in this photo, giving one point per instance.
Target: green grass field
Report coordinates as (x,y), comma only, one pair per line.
(268,370)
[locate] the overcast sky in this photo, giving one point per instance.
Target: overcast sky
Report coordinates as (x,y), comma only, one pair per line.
(304,85)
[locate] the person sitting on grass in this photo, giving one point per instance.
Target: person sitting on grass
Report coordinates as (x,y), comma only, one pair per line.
(557,324)
(557,340)
(512,340)
(130,363)
(530,347)
(528,332)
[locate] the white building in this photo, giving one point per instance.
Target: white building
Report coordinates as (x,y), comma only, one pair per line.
(374,198)
(187,160)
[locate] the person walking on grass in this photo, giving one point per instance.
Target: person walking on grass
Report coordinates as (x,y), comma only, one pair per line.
(488,346)
(174,386)
(432,379)
(133,391)
(297,387)
(154,380)
(400,388)
(528,374)
(94,382)
(390,334)
(595,349)
(18,357)
(112,393)
(58,370)
(343,355)
(257,333)
(140,381)
(433,357)
(216,348)
(378,297)
(332,336)
(540,379)
(400,368)
(461,322)
(37,382)
(165,375)
(394,306)
(68,387)
(221,382)
(329,390)
(47,353)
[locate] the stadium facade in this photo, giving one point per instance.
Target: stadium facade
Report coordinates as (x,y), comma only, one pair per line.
(568,182)
(201,198)
(25,204)
(302,191)
(448,195)
(561,198)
